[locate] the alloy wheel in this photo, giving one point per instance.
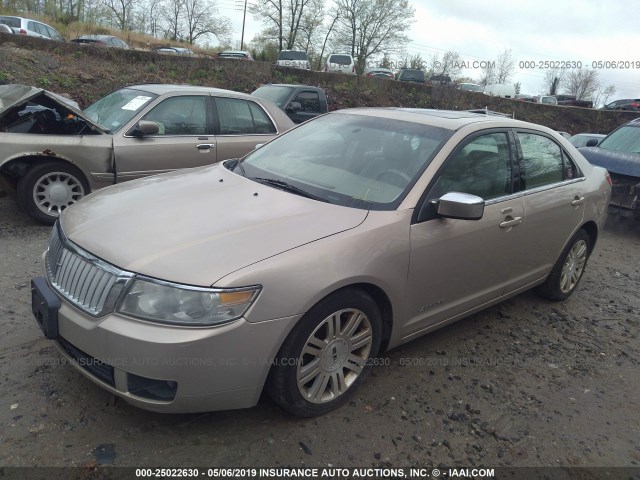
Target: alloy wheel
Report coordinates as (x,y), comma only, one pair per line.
(334,355)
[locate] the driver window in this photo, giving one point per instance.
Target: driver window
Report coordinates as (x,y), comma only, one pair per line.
(482,168)
(185,115)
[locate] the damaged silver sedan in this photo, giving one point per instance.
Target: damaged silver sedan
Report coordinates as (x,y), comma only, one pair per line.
(53,154)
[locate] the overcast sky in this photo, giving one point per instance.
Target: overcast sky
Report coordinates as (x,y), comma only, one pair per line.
(584,31)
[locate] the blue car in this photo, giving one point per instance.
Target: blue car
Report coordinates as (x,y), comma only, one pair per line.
(619,153)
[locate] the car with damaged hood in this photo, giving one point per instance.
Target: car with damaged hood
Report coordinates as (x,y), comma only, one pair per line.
(619,153)
(289,271)
(52,154)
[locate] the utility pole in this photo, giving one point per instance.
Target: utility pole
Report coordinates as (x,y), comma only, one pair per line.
(244,19)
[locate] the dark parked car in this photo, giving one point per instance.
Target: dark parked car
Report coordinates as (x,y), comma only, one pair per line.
(411,75)
(619,153)
(572,101)
(380,72)
(632,104)
(581,139)
(235,55)
(299,102)
(525,98)
(470,87)
(441,81)
(102,40)
(167,50)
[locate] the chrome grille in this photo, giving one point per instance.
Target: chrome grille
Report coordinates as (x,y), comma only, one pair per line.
(84,280)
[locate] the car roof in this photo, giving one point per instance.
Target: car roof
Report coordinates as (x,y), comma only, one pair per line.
(450,119)
(286,85)
(97,36)
(163,88)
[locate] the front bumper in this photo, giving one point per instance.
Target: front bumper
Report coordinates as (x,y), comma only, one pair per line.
(172,369)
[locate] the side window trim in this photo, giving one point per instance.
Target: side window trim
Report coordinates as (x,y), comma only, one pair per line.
(418,216)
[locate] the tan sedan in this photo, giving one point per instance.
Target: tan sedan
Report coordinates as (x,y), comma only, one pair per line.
(291,270)
(55,154)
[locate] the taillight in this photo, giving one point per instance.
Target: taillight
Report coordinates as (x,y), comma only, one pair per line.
(23,31)
(608,177)
(634,104)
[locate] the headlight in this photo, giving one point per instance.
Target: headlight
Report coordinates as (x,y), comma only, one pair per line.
(184,305)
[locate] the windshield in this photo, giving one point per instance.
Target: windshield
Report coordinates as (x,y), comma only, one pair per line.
(340,59)
(273,93)
(292,55)
(11,21)
(349,159)
(117,108)
(624,139)
(412,75)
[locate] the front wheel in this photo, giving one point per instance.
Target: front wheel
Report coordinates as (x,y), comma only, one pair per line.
(47,189)
(327,354)
(568,270)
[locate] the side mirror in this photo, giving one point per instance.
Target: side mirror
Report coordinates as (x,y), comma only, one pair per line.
(593,142)
(145,127)
(461,206)
(294,107)
(258,145)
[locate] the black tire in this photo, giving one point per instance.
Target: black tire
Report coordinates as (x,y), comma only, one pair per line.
(286,382)
(34,190)
(568,270)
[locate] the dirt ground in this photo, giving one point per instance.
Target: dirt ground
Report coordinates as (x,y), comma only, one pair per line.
(526,383)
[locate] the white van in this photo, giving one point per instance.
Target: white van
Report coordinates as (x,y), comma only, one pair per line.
(340,63)
(500,90)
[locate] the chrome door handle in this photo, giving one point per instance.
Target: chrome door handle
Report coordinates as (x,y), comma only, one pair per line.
(577,201)
(205,146)
(511,223)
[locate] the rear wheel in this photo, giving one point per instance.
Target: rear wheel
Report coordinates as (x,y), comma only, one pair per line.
(568,270)
(47,189)
(327,354)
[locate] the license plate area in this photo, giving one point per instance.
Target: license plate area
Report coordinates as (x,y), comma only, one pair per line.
(45,305)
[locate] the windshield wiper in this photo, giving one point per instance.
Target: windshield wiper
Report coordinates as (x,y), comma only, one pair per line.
(282,185)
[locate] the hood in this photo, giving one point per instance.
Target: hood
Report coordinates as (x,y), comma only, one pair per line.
(196,226)
(622,163)
(14,95)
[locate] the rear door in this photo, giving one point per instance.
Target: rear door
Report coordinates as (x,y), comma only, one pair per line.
(240,125)
(554,200)
(183,139)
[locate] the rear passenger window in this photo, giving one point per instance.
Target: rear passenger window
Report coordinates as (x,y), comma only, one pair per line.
(544,162)
(241,117)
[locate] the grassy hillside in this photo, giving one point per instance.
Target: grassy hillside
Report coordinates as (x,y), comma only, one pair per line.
(87,73)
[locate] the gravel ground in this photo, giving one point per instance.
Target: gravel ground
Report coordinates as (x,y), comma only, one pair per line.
(525,383)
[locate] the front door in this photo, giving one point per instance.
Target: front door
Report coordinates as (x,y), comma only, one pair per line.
(458,265)
(183,140)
